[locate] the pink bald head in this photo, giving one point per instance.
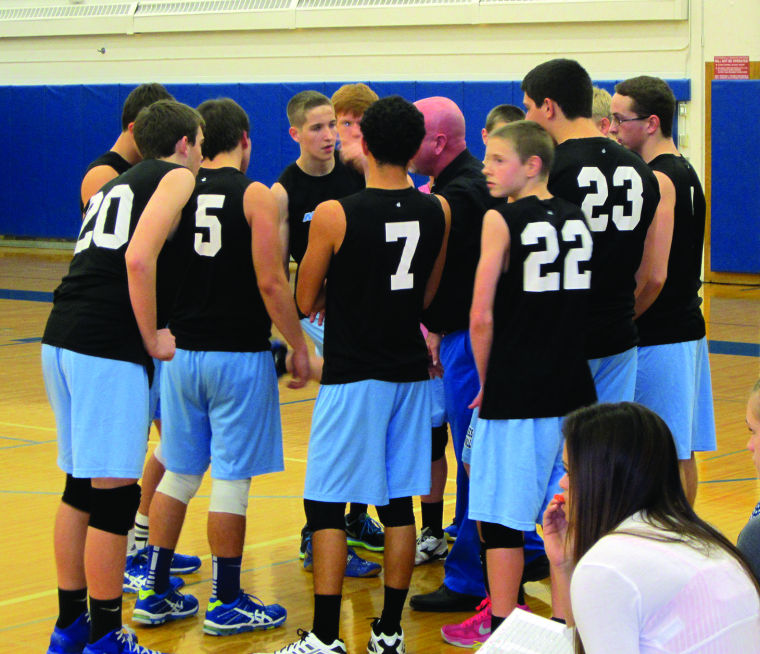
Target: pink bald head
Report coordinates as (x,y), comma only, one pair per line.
(444,135)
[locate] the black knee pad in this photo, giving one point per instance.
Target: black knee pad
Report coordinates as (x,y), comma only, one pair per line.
(440,438)
(76,493)
(325,515)
(496,536)
(399,512)
(114,509)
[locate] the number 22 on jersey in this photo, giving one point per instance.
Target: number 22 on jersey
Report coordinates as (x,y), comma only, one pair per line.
(535,278)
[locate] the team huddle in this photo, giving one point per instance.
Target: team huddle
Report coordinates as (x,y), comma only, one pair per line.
(561,271)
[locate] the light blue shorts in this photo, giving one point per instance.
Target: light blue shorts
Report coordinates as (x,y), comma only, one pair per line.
(315,333)
(615,376)
(674,381)
(101,413)
(467,447)
(155,391)
(438,398)
(370,442)
(515,470)
(221,407)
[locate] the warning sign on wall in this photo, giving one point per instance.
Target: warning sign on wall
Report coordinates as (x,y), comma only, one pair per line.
(731,68)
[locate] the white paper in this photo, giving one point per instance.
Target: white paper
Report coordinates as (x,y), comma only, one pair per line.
(526,633)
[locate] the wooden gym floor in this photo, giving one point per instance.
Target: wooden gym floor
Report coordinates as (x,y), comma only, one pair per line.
(31,483)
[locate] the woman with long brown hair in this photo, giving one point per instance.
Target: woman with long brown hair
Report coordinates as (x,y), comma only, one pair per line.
(633,567)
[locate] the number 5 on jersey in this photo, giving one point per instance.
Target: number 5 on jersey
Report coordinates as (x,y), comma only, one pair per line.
(208,247)
(535,279)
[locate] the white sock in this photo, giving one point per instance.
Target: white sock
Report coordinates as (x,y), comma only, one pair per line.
(141,531)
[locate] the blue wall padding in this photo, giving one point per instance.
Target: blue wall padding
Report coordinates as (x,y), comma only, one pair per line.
(735,197)
(51,134)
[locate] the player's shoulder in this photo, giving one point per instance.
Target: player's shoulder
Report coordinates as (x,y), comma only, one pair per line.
(290,173)
(673,165)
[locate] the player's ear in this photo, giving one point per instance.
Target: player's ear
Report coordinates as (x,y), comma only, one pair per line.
(365,147)
(484,135)
(245,141)
(181,146)
(534,165)
(131,128)
(293,131)
(549,107)
(653,124)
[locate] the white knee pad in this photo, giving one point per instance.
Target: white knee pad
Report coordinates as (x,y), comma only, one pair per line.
(229,496)
(180,487)
(159,454)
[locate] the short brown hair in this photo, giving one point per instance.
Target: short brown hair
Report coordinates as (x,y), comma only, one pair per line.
(226,122)
(142,96)
(302,102)
(528,139)
(503,113)
(651,97)
(160,125)
(353,98)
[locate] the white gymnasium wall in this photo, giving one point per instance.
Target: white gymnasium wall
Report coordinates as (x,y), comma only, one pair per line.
(609,49)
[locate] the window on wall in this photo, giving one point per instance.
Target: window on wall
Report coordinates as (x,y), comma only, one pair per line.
(41,18)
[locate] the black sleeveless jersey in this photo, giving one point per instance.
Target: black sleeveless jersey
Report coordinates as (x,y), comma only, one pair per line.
(218,307)
(306,191)
(619,194)
(463,185)
(112,159)
(675,316)
(376,286)
(537,367)
(92,313)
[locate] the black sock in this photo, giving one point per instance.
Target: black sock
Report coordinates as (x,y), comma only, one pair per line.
(484,567)
(521,595)
(390,619)
(226,577)
(105,617)
(159,565)
(326,617)
(432,517)
(354,511)
(71,604)
(495,622)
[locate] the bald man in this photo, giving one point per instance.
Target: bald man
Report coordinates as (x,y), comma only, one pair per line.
(458,177)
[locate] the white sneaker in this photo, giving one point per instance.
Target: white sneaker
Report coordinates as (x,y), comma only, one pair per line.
(430,548)
(383,643)
(310,644)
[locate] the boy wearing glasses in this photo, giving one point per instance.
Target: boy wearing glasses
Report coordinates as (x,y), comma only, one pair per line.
(672,353)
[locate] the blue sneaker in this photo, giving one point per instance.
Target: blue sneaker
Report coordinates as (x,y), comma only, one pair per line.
(122,641)
(136,573)
(182,564)
(152,608)
(246,613)
(365,532)
(355,565)
(451,532)
(73,638)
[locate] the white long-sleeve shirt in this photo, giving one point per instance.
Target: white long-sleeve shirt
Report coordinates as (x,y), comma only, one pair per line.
(632,594)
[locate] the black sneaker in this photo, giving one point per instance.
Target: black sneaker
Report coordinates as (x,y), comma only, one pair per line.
(365,532)
(306,533)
